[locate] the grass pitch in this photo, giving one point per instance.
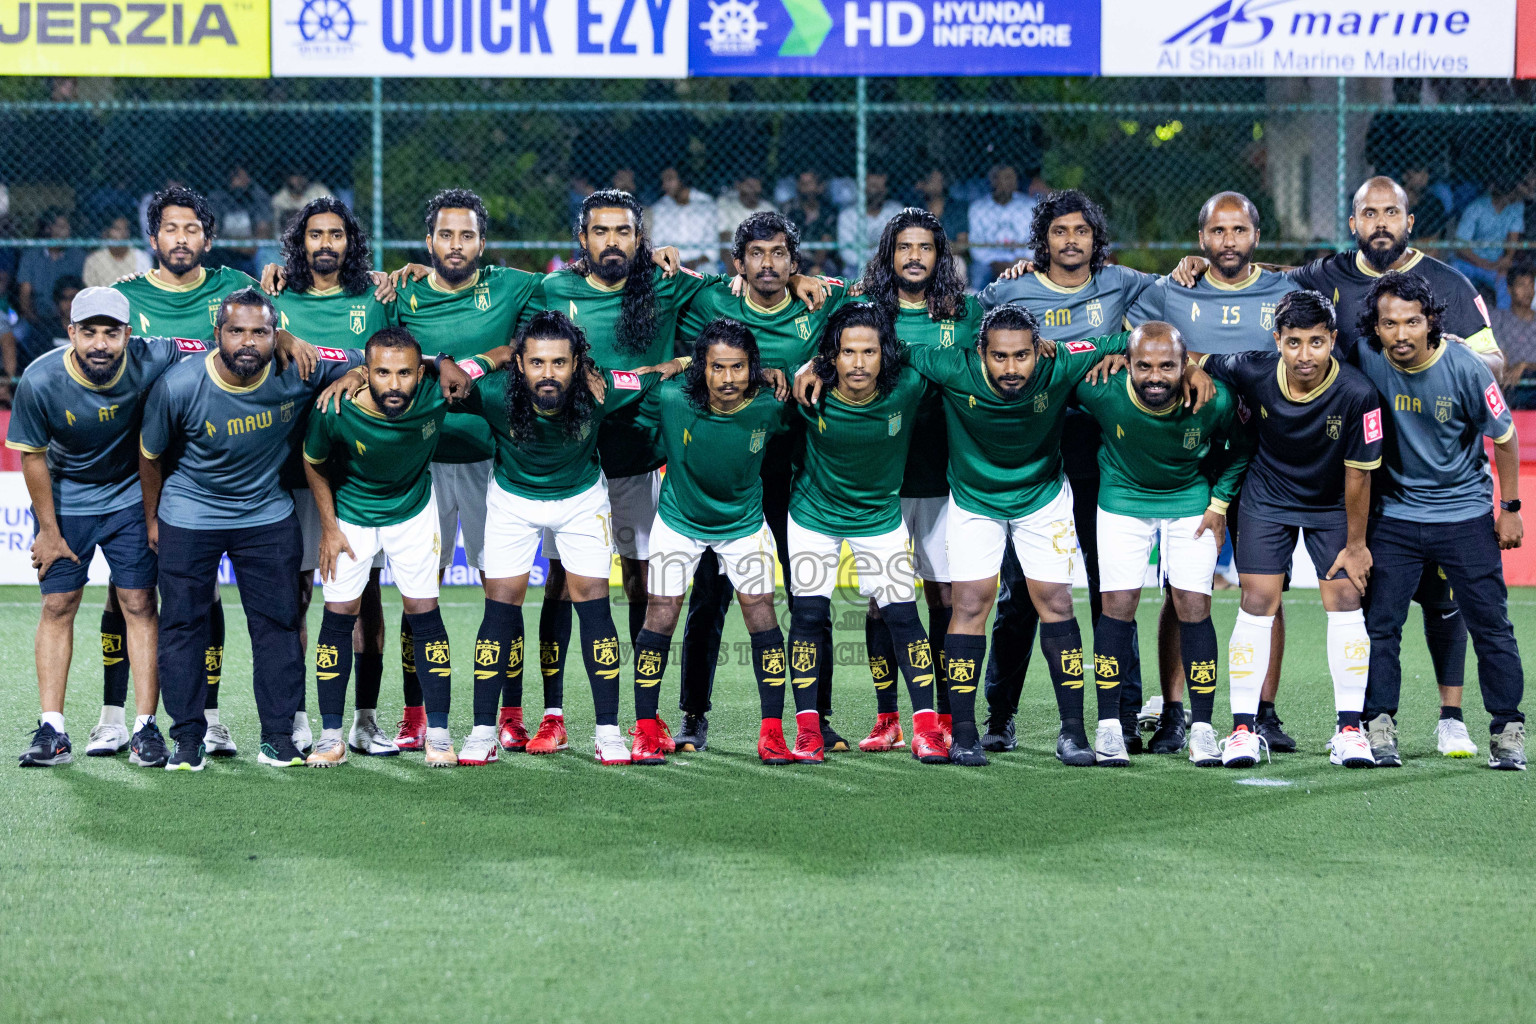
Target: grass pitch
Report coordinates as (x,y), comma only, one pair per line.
(716,889)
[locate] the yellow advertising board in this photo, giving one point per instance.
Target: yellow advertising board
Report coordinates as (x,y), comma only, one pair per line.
(175,39)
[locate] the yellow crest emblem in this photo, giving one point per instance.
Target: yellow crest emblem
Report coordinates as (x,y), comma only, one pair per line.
(285,411)
(1357,650)
(606,652)
(773,660)
(1105,668)
(920,655)
(483,298)
(758,437)
(1240,654)
(1095,313)
(111,643)
(1335,424)
(1267,316)
(437,652)
(961,670)
(1072,662)
(947,334)
(213,659)
(1443,409)
(803,325)
(358,321)
(326,656)
(648,663)
(486,652)
(802,656)
(893,424)
(1191,439)
(1202,673)
(1042,401)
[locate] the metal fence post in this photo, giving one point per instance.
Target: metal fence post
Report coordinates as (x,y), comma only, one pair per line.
(1340,210)
(378,172)
(860,168)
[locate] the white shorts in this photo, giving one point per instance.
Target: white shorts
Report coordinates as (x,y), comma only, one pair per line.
(926,520)
(412,548)
(748,561)
(883,564)
(581,524)
(459,489)
(309,529)
(633,501)
(1184,561)
(1045,542)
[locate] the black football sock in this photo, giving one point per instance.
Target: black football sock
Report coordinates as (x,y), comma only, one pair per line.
(964,657)
(114,658)
(809,620)
(213,657)
(824,667)
(651,650)
(369,667)
(1197,647)
(512,680)
(1062,645)
(501,626)
(333,666)
(1446,711)
(912,653)
(554,644)
(1130,683)
(636,620)
(600,652)
(1445,633)
(882,663)
(434,665)
(1266,707)
(1349,719)
(1112,654)
(938,633)
(768,663)
(410,682)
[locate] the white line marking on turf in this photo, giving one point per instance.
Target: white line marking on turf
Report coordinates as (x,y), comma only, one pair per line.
(1264,782)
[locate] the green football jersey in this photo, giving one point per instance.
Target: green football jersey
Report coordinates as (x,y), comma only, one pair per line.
(1165,464)
(713,488)
(476,318)
(626,444)
(549,465)
(332,317)
(855,458)
(1005,454)
(380,467)
(182,311)
(787,334)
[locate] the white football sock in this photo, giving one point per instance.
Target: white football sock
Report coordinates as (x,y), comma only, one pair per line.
(1248,660)
(365,714)
(558,713)
(112,714)
(140,721)
(483,732)
(437,735)
(211,715)
(300,719)
(330,734)
(53,718)
(1349,658)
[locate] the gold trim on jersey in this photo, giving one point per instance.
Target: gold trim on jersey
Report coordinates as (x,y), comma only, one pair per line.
(1367,466)
(837,394)
(266,371)
(79,377)
(1061,289)
(732,412)
(1139,404)
(1254,273)
(466,286)
(1498,440)
(1285,385)
(914,306)
(781,307)
(597,285)
(202,275)
(1369,271)
(322,293)
(18,446)
(1434,358)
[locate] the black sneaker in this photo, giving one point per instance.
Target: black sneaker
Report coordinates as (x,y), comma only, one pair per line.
(147,748)
(1170,735)
(280,752)
(1506,748)
(1074,750)
(831,742)
(965,747)
(1270,732)
(694,735)
(999,737)
(49,747)
(187,757)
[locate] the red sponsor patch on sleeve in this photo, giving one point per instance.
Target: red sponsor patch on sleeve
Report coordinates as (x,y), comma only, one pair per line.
(190,345)
(474,369)
(1076,347)
(335,355)
(1483,309)
(1373,426)
(1495,399)
(691,272)
(626,380)
(834,281)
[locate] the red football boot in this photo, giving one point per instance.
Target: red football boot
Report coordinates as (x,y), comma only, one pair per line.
(550,737)
(647,748)
(929,748)
(886,735)
(667,744)
(770,743)
(510,732)
(412,734)
(808,745)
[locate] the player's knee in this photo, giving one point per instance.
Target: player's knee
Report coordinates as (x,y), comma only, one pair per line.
(1190,606)
(1121,604)
(757,611)
(902,615)
(58,607)
(1260,598)
(137,604)
(1054,602)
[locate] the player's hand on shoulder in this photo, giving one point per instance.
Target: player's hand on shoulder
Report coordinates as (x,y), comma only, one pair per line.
(810,290)
(296,350)
(669,369)
(597,385)
(668,259)
(1047,348)
(775,376)
(383,287)
(1356,561)
(1017,271)
(1199,388)
(342,389)
(807,385)
(409,272)
(1190,270)
(1106,368)
(131,277)
(274,278)
(454,380)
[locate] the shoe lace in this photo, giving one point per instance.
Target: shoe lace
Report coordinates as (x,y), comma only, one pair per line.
(547,729)
(806,742)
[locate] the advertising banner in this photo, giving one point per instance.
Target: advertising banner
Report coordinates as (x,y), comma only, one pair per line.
(480,38)
(893,37)
(1384,38)
(180,39)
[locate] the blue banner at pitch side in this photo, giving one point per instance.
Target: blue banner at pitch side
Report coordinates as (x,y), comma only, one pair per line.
(893,37)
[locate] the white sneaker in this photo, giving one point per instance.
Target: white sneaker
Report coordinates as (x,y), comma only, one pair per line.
(302,737)
(366,737)
(609,746)
(110,739)
(480,746)
(217,742)
(1450,736)
(1151,711)
(1203,749)
(1350,748)
(1242,748)
(1109,745)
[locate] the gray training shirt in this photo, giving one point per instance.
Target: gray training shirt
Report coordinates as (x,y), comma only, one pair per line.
(1216,318)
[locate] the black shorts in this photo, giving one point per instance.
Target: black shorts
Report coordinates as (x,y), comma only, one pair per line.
(124,541)
(1265,548)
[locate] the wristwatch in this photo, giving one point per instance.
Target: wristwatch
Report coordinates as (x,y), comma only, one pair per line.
(1510,506)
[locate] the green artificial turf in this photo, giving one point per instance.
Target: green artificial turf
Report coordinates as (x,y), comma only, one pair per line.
(870,888)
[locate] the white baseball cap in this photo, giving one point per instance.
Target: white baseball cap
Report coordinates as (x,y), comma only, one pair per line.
(103,302)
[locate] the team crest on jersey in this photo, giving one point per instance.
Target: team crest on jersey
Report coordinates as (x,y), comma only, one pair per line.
(802,656)
(1191,439)
(803,325)
(1095,313)
(893,424)
(606,652)
(213,312)
(482,297)
(1335,424)
(1267,316)
(358,320)
(428,429)
(585,432)
(1442,409)
(1042,401)
(758,437)
(285,411)
(946,334)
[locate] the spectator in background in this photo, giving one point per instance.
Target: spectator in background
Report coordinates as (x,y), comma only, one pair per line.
(684,217)
(879,207)
(999,226)
(736,206)
(108,264)
(1515,330)
(241,210)
(39,270)
(624,180)
(933,195)
(50,330)
(1429,204)
(1492,222)
(816,220)
(297,190)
